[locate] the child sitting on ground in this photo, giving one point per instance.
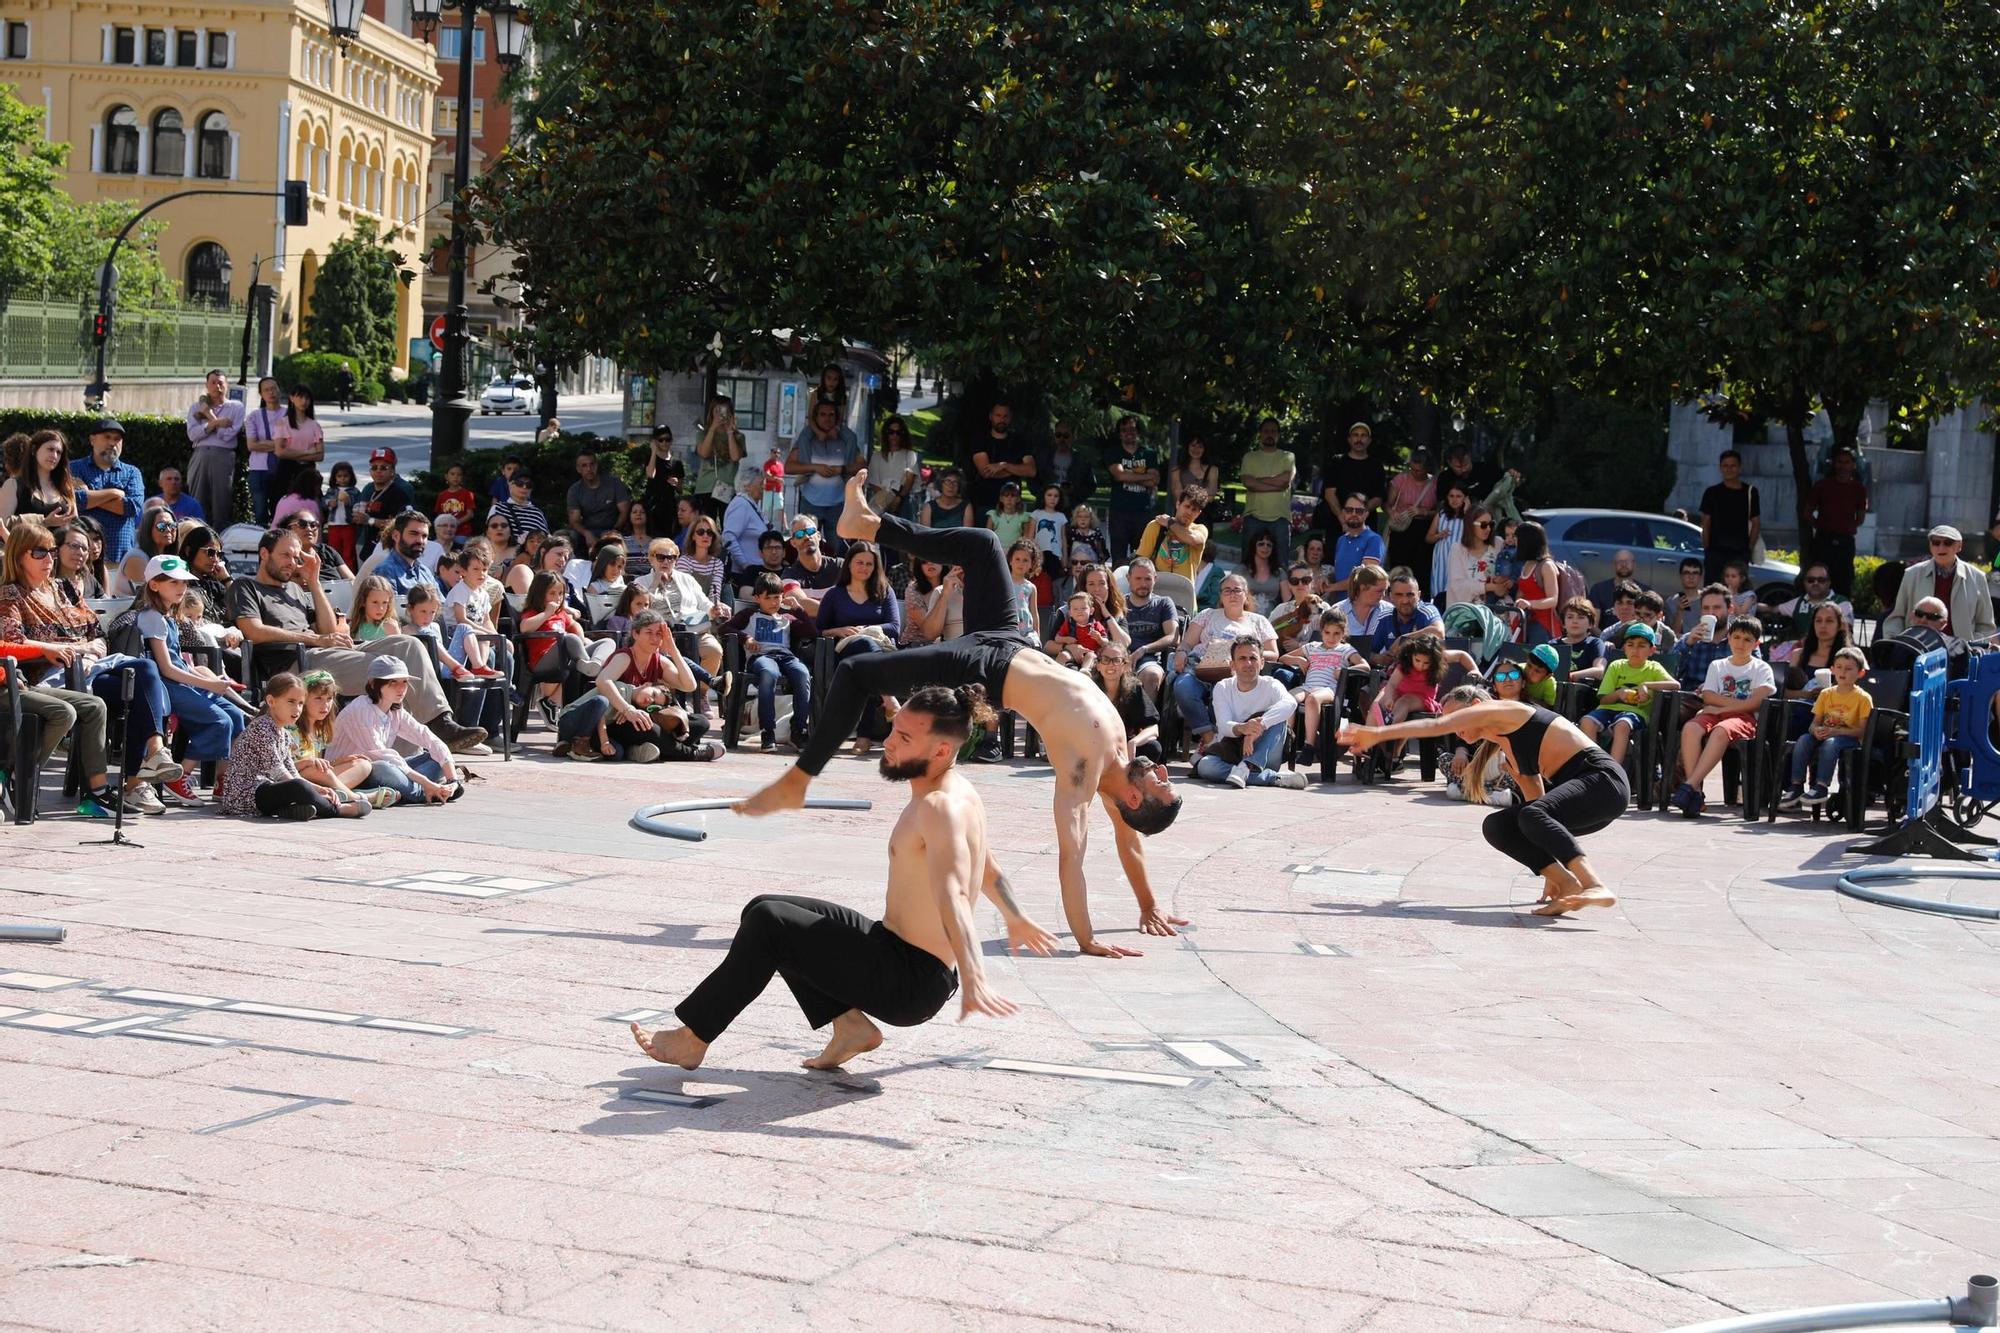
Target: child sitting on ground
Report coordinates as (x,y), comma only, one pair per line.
(1322,660)
(1079,633)
(264,780)
(1625,698)
(1736,687)
(1839,718)
(312,733)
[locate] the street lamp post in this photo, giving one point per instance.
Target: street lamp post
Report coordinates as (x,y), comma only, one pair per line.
(451,410)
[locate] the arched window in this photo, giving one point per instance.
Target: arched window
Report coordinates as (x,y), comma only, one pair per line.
(212,147)
(121,141)
(204,273)
(169,144)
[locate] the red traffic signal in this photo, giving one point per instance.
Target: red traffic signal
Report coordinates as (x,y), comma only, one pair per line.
(100,326)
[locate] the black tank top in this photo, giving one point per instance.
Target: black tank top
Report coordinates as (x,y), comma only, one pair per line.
(1526,741)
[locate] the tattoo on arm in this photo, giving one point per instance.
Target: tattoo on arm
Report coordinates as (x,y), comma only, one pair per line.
(1004,892)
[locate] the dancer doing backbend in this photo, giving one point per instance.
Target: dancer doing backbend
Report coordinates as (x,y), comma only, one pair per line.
(1583,791)
(841,966)
(1079,726)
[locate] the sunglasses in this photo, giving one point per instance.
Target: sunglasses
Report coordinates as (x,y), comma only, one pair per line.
(1300,583)
(1487,526)
(1943,541)
(1822,579)
(164,525)
(1354,511)
(1506,675)
(42,552)
(1925,615)
(663,560)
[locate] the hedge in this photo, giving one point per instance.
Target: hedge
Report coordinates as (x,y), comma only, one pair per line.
(553,465)
(320,372)
(151,443)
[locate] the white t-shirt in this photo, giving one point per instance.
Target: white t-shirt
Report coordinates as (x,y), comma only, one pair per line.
(886,474)
(1266,699)
(474,601)
(1739,682)
(1215,632)
(1048,532)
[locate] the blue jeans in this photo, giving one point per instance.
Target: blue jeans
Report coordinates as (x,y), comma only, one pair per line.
(765,670)
(1807,748)
(1281,537)
(209,721)
(1191,696)
(396,777)
(148,715)
(1262,757)
(260,500)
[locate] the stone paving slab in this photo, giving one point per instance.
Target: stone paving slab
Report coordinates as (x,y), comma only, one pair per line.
(1418,1106)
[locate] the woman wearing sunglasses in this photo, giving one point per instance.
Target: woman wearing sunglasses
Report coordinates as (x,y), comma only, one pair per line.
(159,534)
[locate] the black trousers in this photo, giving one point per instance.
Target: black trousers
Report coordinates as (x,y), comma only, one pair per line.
(1585,795)
(981,654)
(1836,551)
(274,798)
(833,958)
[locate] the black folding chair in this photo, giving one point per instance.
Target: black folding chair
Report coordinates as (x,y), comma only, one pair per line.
(20,798)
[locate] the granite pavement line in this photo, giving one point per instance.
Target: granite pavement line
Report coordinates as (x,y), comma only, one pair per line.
(1387,1097)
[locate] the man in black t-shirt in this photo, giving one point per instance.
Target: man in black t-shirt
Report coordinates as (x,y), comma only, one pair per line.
(1355,472)
(666,481)
(996,460)
(1730,517)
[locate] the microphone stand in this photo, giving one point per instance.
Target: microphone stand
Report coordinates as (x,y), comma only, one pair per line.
(127,677)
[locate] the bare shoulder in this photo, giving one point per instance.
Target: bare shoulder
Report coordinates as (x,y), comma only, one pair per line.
(954,806)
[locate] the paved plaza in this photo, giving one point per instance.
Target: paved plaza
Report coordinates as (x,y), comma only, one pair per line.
(377,1076)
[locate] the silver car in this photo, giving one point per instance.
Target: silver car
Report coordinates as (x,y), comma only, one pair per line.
(1589,538)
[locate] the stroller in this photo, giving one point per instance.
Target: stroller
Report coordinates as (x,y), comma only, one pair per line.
(1484,631)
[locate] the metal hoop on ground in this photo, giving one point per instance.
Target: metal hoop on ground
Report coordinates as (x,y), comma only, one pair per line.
(1854,885)
(647,818)
(1974,1310)
(32,934)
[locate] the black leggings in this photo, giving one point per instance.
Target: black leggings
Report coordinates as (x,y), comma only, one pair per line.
(1585,795)
(981,654)
(833,958)
(274,798)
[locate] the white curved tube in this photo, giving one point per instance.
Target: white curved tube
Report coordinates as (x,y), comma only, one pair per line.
(32,934)
(646,818)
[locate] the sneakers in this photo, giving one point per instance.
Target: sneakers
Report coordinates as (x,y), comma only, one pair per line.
(1453,791)
(1789,798)
(767,741)
(548,709)
(581,748)
(1238,777)
(645,752)
(1687,800)
(160,766)
(183,791)
(302,811)
(95,805)
(457,738)
(141,801)
(1290,780)
(1815,795)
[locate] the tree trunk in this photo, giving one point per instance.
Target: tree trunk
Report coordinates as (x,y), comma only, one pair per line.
(1797,412)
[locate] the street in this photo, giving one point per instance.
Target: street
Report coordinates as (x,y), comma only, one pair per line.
(406,428)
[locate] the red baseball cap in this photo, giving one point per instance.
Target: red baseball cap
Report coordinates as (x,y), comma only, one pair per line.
(383,456)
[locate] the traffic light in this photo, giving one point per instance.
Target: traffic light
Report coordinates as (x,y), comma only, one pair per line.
(295,203)
(100,327)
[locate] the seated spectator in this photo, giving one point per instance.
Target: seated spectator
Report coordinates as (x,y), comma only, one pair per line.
(630,713)
(374,724)
(1708,641)
(1735,689)
(1586,649)
(1742,597)
(1624,569)
(1205,658)
(934,607)
(331,563)
(1651,609)
(469,611)
(1684,607)
(1418,666)
(373,614)
(1409,615)
(449,573)
(597,502)
(862,616)
(1625,697)
(285,607)
(1322,660)
(702,557)
(1297,617)
(1929,613)
(769,631)
(1079,632)
(311,737)
(607,572)
(263,778)
(772,553)
(1112,670)
(1152,623)
(1540,671)
(307,496)
(1815,591)
(1252,715)
(545,554)
(630,603)
(210,711)
(159,534)
(1825,636)
(446,538)
(1107,602)
(402,562)
(554,644)
(1959,587)
(1484,773)
(1365,606)
(810,567)
(1839,720)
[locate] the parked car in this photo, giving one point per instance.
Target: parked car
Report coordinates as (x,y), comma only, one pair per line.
(1589,538)
(511,393)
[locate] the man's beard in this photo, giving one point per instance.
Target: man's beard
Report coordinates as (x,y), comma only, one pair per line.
(906,771)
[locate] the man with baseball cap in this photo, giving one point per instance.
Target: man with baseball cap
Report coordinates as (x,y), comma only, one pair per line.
(1955,582)
(213,424)
(109,489)
(383,496)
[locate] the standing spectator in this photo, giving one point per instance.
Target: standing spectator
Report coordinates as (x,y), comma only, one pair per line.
(1009,520)
(824,455)
(44,486)
(301,445)
(1624,569)
(342,503)
(743,525)
(1469,561)
(995,459)
(1263,569)
(1412,498)
(111,491)
(1447,528)
(947,508)
(1356,545)
(1067,468)
(384,496)
(343,384)
(523,515)
(1537,587)
(213,424)
(1839,503)
(597,502)
(717,455)
(1731,517)
(173,497)
(666,477)
(1177,543)
(1356,472)
(892,468)
(304,497)
(1135,485)
(1954,582)
(1192,468)
(264,427)
(455,498)
(1459,467)
(1154,624)
(1268,473)
(1049,524)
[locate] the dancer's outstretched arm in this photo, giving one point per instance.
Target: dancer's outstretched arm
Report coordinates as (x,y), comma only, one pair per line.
(948,855)
(1022,933)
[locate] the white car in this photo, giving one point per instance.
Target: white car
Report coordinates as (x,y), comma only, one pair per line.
(511,393)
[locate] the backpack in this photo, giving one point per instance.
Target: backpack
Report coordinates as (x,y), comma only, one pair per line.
(1569,583)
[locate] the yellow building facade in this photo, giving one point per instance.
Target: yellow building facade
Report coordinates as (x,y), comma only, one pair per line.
(180,94)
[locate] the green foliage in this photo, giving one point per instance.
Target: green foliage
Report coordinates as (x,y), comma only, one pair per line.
(1866,605)
(396,388)
(320,372)
(151,442)
(1604,454)
(552,463)
(354,303)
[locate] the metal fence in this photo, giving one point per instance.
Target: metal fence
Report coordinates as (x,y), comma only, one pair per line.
(49,338)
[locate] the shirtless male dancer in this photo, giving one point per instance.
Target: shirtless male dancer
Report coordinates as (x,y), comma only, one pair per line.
(841,966)
(1078,725)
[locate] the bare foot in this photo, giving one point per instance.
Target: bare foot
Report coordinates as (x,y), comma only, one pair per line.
(788,792)
(857,521)
(1598,897)
(852,1035)
(672,1046)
